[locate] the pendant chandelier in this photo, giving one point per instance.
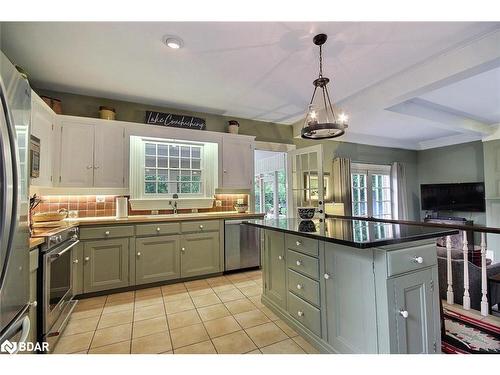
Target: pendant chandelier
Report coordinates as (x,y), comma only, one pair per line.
(321,121)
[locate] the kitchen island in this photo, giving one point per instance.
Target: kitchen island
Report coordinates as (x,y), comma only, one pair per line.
(354,286)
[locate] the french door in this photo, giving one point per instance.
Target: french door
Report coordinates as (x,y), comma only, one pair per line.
(306,186)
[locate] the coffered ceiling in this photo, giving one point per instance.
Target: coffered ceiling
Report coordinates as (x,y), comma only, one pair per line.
(264,71)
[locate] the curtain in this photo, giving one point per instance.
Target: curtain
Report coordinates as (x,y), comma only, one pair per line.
(342,183)
(399,192)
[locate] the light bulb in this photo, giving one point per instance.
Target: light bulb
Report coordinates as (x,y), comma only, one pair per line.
(343,118)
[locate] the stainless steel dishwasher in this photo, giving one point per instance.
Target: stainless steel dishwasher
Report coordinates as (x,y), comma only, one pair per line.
(241,246)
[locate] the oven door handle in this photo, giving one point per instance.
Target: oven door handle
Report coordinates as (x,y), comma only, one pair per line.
(57,255)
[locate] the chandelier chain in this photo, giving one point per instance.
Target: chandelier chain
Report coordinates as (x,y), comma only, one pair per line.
(320,61)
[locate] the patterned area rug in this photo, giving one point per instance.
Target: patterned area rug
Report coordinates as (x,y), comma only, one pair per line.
(468,335)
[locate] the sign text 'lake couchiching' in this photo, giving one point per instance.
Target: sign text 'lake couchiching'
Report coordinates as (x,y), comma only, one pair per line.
(177,121)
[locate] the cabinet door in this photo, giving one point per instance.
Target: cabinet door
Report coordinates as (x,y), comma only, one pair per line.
(413,312)
(77,155)
(109,156)
(105,265)
(350,299)
(200,254)
(237,163)
(42,127)
(275,267)
(157,259)
(78,269)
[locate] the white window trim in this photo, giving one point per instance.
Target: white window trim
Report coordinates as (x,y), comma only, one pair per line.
(141,201)
(369,170)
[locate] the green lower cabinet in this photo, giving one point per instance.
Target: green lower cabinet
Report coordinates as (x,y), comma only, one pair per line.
(275,267)
(200,254)
(78,269)
(106,264)
(350,304)
(157,259)
(414,312)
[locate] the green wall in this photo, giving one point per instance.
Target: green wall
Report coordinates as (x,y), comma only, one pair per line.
(88,106)
(457,163)
(375,155)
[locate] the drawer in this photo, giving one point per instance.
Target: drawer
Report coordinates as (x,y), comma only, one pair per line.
(157,229)
(106,232)
(303,244)
(406,260)
(200,226)
(305,313)
(303,264)
(304,287)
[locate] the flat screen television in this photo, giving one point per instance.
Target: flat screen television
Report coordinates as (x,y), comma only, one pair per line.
(453,197)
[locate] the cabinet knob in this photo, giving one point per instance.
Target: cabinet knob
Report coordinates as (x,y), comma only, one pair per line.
(34,304)
(139,254)
(300,313)
(89,167)
(299,287)
(75,261)
(326,276)
(201,226)
(418,260)
(280,257)
(403,313)
(158,229)
(298,243)
(106,233)
(96,167)
(299,263)
(87,259)
(224,171)
(183,249)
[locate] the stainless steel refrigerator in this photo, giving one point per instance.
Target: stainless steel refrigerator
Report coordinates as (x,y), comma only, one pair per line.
(15,113)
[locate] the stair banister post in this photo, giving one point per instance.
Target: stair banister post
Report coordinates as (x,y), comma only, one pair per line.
(449,291)
(466,302)
(484,288)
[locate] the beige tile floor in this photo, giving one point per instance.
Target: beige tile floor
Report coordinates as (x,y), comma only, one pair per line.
(216,315)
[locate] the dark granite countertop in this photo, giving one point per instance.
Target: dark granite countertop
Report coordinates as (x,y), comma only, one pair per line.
(356,233)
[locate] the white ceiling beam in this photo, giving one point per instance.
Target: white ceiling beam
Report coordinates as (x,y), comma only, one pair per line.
(441,117)
(462,61)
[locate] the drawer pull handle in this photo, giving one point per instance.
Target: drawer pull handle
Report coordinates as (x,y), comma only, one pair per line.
(158,229)
(139,254)
(75,261)
(403,313)
(87,259)
(280,257)
(418,260)
(299,263)
(298,243)
(326,276)
(299,287)
(300,313)
(106,233)
(201,226)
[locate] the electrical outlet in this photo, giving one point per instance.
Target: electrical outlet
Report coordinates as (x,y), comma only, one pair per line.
(218,203)
(100,198)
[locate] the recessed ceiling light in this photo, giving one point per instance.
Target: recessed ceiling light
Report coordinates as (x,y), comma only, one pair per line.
(173,42)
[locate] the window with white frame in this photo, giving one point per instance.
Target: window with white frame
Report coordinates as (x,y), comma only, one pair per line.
(160,168)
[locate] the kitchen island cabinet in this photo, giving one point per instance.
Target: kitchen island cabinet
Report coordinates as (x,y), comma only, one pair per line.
(354,286)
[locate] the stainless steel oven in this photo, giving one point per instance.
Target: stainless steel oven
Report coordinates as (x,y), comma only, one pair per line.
(56,281)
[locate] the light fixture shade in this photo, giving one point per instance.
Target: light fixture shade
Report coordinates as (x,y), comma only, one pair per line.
(321,121)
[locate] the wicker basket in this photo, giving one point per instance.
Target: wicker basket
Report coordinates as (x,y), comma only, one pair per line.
(49,216)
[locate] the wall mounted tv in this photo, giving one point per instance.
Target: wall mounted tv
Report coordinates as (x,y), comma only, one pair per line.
(453,197)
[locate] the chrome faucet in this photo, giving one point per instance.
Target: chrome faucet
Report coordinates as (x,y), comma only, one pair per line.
(174,206)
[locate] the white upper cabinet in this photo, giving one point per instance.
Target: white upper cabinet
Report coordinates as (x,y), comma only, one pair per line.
(109,156)
(43,126)
(237,162)
(92,154)
(77,155)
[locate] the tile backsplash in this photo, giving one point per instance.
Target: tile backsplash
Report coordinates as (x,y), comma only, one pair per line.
(88,205)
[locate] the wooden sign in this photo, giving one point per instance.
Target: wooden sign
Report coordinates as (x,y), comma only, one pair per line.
(177,121)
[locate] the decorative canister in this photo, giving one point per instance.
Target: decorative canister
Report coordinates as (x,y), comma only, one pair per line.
(107,113)
(233,127)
